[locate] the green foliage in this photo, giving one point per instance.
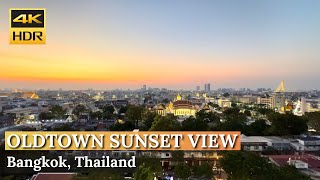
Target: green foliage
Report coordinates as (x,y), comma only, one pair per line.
(165,123)
(108,111)
(287,124)
(226,94)
(98,115)
(231,111)
(194,124)
(152,162)
(123,109)
(207,116)
(291,173)
(243,165)
(182,170)
(126,126)
(313,119)
(108,108)
(264,111)
(257,128)
(79,109)
(177,156)
(134,114)
(246,165)
(148,118)
(165,101)
(203,170)
(234,122)
(143,172)
(55,112)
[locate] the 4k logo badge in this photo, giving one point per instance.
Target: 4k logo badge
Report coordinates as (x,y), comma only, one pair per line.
(27,26)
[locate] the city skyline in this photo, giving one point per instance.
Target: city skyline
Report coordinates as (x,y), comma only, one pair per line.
(171,44)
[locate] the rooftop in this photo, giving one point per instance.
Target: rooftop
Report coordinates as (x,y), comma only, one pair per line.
(282,160)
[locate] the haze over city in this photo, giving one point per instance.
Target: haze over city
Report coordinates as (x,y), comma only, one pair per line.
(172,44)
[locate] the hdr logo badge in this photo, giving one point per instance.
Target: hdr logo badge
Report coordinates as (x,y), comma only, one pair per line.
(28,26)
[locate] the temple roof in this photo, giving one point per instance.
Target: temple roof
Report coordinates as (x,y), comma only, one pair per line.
(182,104)
(160,107)
(206,107)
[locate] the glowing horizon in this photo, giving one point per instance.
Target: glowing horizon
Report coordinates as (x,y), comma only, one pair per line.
(166,44)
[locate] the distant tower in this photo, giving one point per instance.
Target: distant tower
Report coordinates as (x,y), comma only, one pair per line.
(278,98)
(207,87)
(198,88)
(280,88)
(144,87)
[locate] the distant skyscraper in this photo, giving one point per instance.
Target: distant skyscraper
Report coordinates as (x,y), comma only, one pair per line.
(198,88)
(207,87)
(144,87)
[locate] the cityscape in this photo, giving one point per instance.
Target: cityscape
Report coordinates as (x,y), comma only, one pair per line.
(171,66)
(279,129)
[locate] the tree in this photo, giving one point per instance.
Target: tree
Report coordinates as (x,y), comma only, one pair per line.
(79,109)
(313,119)
(205,169)
(249,165)
(108,111)
(152,162)
(246,165)
(257,128)
(291,173)
(226,94)
(134,114)
(55,112)
(231,111)
(45,115)
(182,170)
(96,115)
(165,123)
(143,172)
(148,118)
(58,112)
(108,108)
(194,124)
(177,156)
(234,122)
(165,101)
(207,116)
(126,126)
(265,111)
(123,109)
(287,124)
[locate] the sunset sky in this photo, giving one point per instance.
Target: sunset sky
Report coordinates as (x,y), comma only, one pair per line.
(176,44)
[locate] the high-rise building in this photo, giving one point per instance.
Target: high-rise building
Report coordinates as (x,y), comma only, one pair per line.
(198,88)
(207,87)
(144,87)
